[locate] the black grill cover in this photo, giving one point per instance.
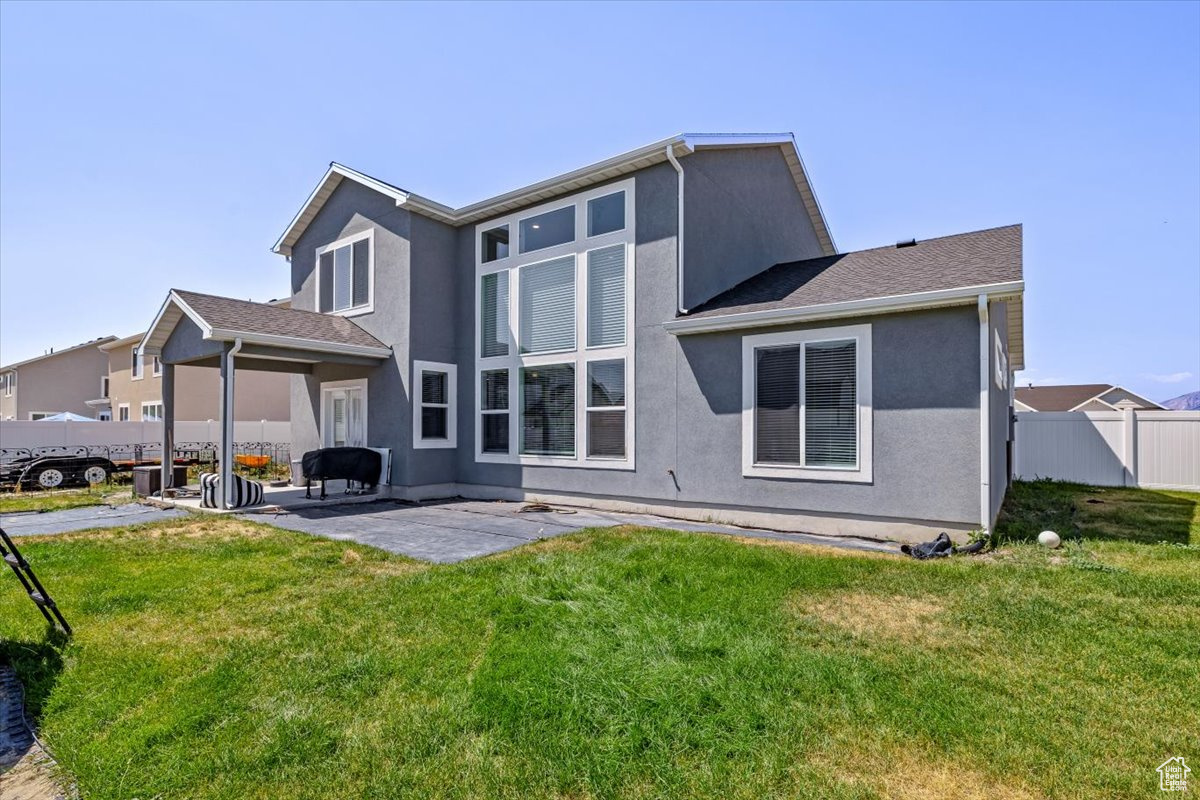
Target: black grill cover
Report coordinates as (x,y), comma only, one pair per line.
(342,463)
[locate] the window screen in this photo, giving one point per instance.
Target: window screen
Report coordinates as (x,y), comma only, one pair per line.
(493,314)
(493,395)
(548,306)
(548,410)
(777,405)
(830,404)
(606,408)
(606,296)
(435,405)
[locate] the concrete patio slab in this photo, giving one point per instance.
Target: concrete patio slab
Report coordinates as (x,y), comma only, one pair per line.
(455,530)
(32,523)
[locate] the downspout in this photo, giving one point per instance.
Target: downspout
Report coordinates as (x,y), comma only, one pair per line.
(985,439)
(228,424)
(679,231)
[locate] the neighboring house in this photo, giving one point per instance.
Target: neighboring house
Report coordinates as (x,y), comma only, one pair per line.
(670,330)
(1079,397)
(132,390)
(61,380)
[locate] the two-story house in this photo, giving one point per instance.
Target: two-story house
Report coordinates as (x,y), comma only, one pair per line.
(669,330)
(132,390)
(59,381)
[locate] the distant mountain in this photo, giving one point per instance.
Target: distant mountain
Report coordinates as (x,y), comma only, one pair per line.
(1185,402)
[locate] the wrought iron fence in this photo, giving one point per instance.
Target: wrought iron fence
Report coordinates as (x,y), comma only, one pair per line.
(20,467)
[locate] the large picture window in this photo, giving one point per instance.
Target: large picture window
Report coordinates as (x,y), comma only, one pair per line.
(807,404)
(554,372)
(345,275)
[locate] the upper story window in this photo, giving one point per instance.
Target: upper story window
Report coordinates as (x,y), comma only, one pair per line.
(493,244)
(548,229)
(156,366)
(553,383)
(606,214)
(8,382)
(346,275)
(135,364)
(806,400)
(104,386)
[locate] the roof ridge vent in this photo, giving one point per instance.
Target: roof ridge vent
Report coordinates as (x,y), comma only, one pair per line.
(906,243)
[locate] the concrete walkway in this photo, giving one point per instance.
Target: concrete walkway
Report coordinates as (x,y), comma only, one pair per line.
(456,530)
(33,523)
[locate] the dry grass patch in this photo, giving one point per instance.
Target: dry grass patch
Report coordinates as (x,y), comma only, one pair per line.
(895,617)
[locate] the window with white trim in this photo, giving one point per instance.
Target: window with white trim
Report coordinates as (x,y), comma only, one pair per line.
(8,381)
(435,418)
(554,372)
(104,386)
(135,365)
(156,366)
(152,412)
(123,412)
(346,275)
(806,400)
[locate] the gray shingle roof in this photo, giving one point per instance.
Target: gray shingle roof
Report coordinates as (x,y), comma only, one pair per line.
(244,316)
(1059,398)
(967,259)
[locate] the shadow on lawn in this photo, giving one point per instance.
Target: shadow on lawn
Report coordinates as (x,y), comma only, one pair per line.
(1078,511)
(38,665)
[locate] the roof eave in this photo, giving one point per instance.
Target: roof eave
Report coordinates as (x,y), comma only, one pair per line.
(962,295)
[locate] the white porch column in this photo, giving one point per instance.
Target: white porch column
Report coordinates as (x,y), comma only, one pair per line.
(227,417)
(168,429)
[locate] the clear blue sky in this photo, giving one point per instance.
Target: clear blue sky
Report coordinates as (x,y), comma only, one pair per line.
(148,146)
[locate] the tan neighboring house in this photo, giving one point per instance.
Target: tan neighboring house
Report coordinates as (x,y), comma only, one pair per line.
(1079,397)
(61,380)
(131,389)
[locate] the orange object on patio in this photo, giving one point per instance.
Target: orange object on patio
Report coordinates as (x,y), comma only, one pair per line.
(252,461)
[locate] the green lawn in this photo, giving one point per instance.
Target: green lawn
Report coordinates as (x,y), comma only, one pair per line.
(37,500)
(215,658)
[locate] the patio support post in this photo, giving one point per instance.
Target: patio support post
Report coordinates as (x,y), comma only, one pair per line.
(227,417)
(168,430)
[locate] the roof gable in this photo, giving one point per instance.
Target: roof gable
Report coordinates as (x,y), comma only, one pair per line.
(563,184)
(228,319)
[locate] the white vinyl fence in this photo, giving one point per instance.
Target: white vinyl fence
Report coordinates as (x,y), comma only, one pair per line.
(22,435)
(1151,449)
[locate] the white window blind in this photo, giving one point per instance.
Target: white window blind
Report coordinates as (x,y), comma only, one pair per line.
(606,296)
(606,409)
(548,410)
(435,405)
(344,276)
(493,394)
(547,319)
(777,405)
(493,315)
(830,404)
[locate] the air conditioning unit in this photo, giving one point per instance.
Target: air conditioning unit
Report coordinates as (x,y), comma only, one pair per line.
(385,464)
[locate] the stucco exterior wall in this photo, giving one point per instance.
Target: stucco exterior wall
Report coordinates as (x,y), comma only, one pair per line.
(63,381)
(742,214)
(353,208)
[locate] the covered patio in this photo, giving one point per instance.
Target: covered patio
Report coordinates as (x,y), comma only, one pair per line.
(231,335)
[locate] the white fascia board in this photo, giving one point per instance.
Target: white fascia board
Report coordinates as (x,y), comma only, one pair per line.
(965,295)
(399,195)
(456,215)
(274,340)
(144,346)
(1143,398)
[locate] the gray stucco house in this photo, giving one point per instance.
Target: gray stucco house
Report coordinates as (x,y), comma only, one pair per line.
(670,330)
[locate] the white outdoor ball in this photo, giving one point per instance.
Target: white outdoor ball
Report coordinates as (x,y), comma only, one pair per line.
(1049,539)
